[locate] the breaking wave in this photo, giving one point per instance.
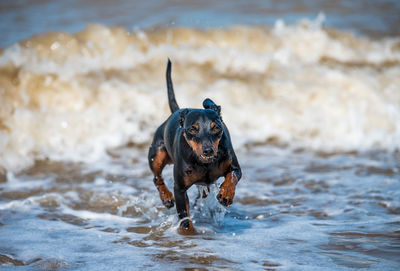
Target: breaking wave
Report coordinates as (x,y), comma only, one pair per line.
(74,96)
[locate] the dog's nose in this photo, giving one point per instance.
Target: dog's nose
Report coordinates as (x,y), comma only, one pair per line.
(208,151)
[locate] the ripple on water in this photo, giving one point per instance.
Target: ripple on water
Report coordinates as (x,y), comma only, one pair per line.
(7,260)
(287,217)
(372,246)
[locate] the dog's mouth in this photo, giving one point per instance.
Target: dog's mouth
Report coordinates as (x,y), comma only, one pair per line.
(206,159)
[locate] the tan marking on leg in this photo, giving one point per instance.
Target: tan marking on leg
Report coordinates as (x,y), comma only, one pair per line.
(227,189)
(159,161)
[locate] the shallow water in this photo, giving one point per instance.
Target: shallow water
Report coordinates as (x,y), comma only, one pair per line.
(313,111)
(292,211)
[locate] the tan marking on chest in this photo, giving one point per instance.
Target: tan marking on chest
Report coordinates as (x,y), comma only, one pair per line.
(192,177)
(221,169)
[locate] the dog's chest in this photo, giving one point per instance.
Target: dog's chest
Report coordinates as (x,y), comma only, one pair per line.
(204,175)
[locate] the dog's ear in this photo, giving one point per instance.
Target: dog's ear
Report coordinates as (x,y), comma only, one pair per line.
(209,104)
(182,116)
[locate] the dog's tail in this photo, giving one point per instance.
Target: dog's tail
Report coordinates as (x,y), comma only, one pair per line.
(171,95)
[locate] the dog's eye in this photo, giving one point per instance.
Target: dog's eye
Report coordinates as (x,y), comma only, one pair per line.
(193,129)
(215,129)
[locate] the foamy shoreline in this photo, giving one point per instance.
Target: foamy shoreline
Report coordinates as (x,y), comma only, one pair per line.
(74,96)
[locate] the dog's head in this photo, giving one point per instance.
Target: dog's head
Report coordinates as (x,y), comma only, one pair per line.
(203,130)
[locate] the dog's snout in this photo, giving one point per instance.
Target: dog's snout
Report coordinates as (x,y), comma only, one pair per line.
(208,151)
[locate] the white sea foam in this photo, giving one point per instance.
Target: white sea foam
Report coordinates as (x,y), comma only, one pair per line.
(75,96)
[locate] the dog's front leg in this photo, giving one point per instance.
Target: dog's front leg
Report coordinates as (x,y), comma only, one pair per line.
(228,187)
(182,207)
(182,203)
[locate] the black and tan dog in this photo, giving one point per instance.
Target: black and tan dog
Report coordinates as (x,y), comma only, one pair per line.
(197,142)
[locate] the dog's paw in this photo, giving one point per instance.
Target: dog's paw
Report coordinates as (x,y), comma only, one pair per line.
(166,197)
(169,203)
(226,194)
(186,228)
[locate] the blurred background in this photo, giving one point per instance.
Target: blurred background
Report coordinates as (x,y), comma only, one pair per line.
(320,64)
(21,19)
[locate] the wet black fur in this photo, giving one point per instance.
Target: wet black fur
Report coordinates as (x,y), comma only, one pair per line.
(170,137)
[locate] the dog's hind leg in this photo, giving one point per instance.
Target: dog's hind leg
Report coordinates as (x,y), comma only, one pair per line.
(158,158)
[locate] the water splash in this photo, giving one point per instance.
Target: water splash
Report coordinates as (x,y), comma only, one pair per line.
(207,208)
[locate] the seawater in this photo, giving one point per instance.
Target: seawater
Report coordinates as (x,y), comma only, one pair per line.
(292,211)
(314,115)
(73,96)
